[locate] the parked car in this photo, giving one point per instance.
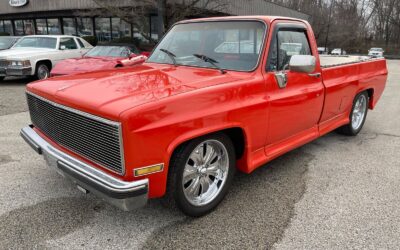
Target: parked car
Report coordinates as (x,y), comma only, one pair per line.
(338,52)
(7,42)
(37,55)
(101,57)
(375,52)
(181,124)
(323,50)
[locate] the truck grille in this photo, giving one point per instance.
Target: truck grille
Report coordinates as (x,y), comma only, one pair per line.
(97,139)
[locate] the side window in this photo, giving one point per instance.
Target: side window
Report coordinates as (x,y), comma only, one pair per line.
(286,44)
(68,42)
(80,43)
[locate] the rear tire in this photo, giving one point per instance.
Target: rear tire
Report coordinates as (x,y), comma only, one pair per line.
(200,174)
(2,78)
(358,115)
(42,71)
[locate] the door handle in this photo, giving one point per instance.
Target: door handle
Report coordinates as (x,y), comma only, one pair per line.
(317,75)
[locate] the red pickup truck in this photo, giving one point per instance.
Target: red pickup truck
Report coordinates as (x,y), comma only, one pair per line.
(217,95)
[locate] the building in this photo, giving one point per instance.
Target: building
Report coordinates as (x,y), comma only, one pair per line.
(28,17)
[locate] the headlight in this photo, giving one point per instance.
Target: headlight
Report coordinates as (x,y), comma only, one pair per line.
(25,63)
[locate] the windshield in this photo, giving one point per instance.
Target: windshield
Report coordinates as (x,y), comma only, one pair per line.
(6,42)
(37,42)
(233,45)
(377,49)
(111,51)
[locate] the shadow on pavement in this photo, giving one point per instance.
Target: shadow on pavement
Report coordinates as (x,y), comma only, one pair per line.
(254,214)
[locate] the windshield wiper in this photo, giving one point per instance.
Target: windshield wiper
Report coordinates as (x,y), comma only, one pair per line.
(170,54)
(210,61)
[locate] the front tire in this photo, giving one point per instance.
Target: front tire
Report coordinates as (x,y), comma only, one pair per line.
(42,72)
(201,172)
(2,78)
(358,115)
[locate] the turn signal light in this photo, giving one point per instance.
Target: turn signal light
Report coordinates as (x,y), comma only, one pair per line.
(149,170)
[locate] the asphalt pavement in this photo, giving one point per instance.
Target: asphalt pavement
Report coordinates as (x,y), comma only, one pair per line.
(335,193)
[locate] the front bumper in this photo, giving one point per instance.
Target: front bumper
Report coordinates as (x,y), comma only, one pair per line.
(24,71)
(124,195)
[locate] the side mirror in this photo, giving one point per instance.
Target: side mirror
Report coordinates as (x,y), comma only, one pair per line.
(63,47)
(302,64)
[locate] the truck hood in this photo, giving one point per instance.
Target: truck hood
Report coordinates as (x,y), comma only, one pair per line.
(24,53)
(109,93)
(85,64)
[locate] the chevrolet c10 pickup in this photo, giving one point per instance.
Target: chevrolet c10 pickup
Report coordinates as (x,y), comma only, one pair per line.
(216,95)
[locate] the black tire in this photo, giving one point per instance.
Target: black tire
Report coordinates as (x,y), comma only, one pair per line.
(2,78)
(39,68)
(175,196)
(349,129)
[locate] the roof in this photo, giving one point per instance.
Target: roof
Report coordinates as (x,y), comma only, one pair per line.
(52,36)
(261,7)
(266,19)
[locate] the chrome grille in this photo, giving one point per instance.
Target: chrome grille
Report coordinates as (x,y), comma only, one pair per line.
(97,139)
(3,64)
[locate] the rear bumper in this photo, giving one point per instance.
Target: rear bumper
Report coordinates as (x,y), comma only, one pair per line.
(124,195)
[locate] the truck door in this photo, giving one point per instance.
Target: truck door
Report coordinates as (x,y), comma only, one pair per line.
(294,109)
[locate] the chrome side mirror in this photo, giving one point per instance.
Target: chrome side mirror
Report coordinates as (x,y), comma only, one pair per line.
(63,47)
(302,63)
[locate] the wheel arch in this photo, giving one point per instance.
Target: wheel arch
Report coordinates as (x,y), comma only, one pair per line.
(45,61)
(236,133)
(370,92)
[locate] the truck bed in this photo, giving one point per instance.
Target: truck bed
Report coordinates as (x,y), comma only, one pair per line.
(332,61)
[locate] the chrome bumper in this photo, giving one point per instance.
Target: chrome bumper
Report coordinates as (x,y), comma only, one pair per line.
(124,195)
(24,71)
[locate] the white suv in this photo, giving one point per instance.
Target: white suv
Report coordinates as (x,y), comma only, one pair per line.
(36,55)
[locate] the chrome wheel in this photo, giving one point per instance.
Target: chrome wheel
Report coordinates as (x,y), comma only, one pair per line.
(359,112)
(205,172)
(43,72)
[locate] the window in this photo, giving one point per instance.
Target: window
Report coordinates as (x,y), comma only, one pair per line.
(109,51)
(286,44)
(53,26)
(68,42)
(154,27)
(120,28)
(8,27)
(69,26)
(19,27)
(233,45)
(85,26)
(6,42)
(41,27)
(29,28)
(37,42)
(103,29)
(1,26)
(80,43)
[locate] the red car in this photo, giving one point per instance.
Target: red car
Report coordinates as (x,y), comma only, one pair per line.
(101,57)
(217,95)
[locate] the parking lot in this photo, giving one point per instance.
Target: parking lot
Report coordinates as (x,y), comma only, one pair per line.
(336,192)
